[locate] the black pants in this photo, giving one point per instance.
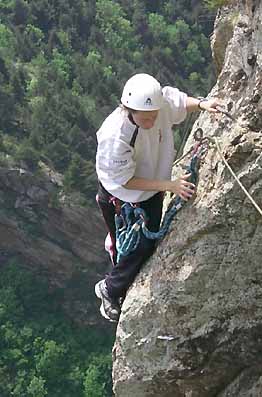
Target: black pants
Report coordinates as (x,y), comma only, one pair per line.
(125,271)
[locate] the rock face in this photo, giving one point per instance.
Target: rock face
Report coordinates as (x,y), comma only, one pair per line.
(191,324)
(61,241)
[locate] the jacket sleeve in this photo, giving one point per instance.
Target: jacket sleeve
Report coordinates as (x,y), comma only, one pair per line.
(115,163)
(175,104)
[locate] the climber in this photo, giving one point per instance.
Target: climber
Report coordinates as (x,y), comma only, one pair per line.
(133,163)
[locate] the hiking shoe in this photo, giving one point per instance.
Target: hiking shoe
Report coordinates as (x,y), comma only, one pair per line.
(110,308)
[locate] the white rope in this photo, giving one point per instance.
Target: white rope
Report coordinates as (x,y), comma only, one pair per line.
(236,178)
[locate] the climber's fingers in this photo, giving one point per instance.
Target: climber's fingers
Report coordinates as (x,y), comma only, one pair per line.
(182,187)
(211,105)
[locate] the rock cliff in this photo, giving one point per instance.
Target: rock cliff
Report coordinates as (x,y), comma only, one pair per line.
(58,239)
(191,324)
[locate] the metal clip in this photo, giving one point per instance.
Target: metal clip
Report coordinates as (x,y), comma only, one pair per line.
(199,137)
(198,134)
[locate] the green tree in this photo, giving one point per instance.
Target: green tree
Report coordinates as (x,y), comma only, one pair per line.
(51,363)
(61,65)
(36,387)
(80,175)
(213,4)
(97,382)
(193,56)
(28,155)
(93,387)
(116,28)
(59,154)
(42,352)
(157,26)
(7,42)
(20,12)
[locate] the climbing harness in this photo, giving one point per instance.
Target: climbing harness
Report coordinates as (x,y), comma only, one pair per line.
(131,220)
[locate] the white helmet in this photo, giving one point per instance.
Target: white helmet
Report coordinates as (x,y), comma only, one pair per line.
(142,92)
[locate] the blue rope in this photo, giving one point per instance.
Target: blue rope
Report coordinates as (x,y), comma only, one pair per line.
(131,222)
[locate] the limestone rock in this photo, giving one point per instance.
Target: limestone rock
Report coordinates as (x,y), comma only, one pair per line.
(223,32)
(191,324)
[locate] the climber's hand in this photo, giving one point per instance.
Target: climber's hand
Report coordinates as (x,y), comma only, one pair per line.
(211,105)
(182,187)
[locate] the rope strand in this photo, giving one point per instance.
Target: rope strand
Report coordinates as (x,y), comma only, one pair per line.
(131,222)
(236,178)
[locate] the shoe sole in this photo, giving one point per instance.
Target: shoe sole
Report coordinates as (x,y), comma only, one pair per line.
(102,310)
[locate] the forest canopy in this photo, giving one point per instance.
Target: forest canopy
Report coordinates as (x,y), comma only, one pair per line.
(63,64)
(42,352)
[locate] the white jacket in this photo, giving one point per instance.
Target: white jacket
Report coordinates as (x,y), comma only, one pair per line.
(152,156)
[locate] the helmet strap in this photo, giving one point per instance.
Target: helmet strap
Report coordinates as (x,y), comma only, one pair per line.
(130,116)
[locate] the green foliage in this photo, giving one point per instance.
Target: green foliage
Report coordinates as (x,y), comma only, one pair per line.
(59,153)
(80,175)
(92,386)
(36,387)
(63,66)
(9,144)
(41,352)
(115,27)
(157,26)
(97,381)
(28,155)
(7,41)
(178,33)
(213,4)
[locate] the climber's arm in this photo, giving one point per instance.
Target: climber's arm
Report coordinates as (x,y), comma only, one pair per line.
(179,186)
